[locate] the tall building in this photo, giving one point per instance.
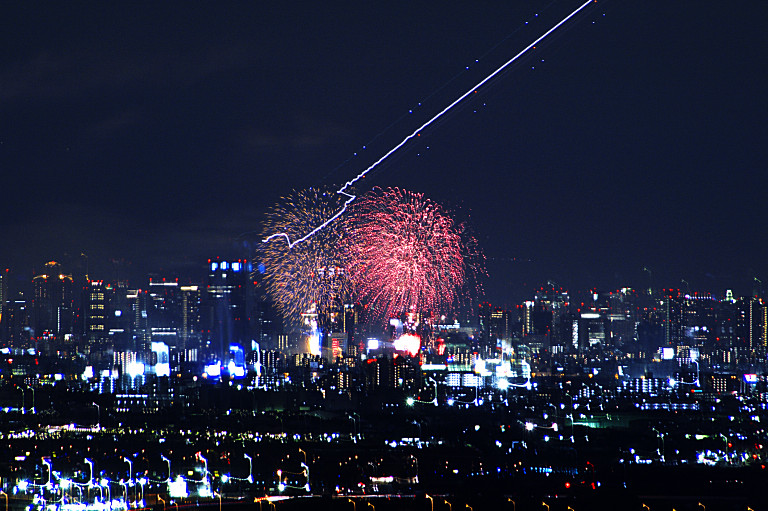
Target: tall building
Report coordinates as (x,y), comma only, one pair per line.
(139,319)
(228,298)
(15,325)
(165,309)
(95,311)
(189,333)
(671,306)
(52,310)
(3,298)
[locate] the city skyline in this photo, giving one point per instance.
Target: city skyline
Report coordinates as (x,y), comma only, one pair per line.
(161,136)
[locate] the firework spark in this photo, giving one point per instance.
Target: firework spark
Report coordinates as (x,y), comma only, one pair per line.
(311,275)
(405,253)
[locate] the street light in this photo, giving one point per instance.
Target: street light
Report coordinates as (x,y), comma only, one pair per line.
(169,467)
(306,469)
(142,481)
(218,495)
(130,468)
(250,468)
(545,504)
(431,503)
(6,499)
(33,397)
(450,507)
(205,468)
(514,506)
(130,473)
(90,477)
(48,464)
(726,448)
(434,400)
(660,435)
(98,415)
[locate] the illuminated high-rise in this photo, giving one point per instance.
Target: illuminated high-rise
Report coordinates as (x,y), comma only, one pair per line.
(189,334)
(3,296)
(95,310)
(227,304)
(52,310)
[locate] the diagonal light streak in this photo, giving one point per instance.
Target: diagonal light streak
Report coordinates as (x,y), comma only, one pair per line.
(416,133)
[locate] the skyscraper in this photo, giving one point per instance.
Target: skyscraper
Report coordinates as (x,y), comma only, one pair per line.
(95,311)
(228,298)
(3,295)
(52,310)
(190,317)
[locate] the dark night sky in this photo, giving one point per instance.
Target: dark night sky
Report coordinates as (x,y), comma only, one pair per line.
(158,134)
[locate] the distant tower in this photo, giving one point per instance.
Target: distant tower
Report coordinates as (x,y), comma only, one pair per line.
(15,325)
(190,317)
(95,301)
(3,298)
(139,319)
(227,306)
(52,312)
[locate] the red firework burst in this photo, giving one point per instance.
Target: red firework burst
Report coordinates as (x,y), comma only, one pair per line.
(406,253)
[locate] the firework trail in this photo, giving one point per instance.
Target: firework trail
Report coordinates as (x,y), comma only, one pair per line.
(313,274)
(405,253)
(348,198)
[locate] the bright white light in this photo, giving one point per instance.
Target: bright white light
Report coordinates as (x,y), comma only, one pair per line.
(213,370)
(409,343)
(313,344)
(529,426)
(409,401)
(135,369)
(434,367)
(502,384)
(163,370)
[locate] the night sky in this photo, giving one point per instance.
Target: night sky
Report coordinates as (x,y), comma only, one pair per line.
(157,134)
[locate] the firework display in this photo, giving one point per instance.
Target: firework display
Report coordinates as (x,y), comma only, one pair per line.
(405,253)
(309,275)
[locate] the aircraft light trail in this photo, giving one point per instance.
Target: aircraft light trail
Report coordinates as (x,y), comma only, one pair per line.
(417,132)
